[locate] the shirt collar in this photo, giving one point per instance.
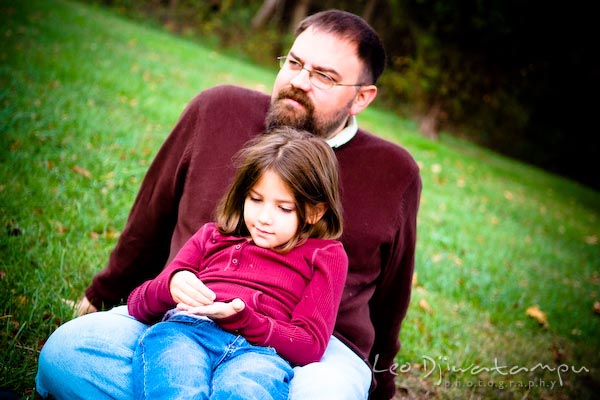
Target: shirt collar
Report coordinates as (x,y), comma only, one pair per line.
(345,134)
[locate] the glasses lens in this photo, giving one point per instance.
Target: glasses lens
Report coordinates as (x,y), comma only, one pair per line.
(317,79)
(320,80)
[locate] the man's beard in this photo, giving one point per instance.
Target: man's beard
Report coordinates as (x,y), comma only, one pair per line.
(282,115)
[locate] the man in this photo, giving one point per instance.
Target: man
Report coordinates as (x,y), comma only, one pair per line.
(327,78)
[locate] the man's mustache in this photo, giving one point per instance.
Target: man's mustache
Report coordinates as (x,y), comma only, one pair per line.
(296,95)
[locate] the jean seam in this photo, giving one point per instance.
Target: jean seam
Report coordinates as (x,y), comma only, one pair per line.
(229,350)
(143,356)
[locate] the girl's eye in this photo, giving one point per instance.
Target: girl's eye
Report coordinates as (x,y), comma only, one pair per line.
(255,199)
(286,210)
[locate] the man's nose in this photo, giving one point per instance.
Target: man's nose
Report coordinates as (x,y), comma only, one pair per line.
(302,80)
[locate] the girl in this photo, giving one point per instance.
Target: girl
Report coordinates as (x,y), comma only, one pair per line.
(256,292)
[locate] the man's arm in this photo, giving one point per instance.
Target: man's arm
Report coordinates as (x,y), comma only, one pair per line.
(181,188)
(143,247)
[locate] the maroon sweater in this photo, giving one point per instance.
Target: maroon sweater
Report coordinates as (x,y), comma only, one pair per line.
(380,187)
(291,299)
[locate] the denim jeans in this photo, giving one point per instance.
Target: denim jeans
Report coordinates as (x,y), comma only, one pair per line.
(90,357)
(192,358)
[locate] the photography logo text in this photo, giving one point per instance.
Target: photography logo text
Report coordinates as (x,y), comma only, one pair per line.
(539,374)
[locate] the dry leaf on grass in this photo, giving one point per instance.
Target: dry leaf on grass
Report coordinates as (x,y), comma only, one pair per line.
(424,305)
(81,171)
(537,314)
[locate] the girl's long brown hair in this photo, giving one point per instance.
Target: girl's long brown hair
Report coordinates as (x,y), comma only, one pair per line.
(306,164)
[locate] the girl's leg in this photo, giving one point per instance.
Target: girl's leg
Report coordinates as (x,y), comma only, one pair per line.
(250,372)
(90,357)
(171,362)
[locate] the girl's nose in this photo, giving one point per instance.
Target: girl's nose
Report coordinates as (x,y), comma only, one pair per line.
(264,216)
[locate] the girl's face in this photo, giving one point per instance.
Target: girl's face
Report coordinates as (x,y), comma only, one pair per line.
(270,212)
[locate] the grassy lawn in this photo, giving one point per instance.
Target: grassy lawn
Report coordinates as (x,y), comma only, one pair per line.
(506,300)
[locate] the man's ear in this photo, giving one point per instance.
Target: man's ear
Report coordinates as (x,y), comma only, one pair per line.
(315,213)
(364,97)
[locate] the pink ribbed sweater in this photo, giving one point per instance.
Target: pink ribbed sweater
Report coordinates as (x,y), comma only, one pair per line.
(291,299)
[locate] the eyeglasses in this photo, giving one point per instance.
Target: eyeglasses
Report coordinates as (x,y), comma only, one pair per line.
(317,79)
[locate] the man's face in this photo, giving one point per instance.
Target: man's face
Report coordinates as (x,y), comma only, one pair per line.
(295,102)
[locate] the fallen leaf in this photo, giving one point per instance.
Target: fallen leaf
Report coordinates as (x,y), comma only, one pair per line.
(457,260)
(81,171)
(558,354)
(424,305)
(597,307)
(15,325)
(12,229)
(22,300)
(41,343)
(591,239)
(60,228)
(112,234)
(415,280)
(436,258)
(537,314)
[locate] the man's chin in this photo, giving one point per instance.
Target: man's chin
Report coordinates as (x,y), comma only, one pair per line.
(289,106)
(284,115)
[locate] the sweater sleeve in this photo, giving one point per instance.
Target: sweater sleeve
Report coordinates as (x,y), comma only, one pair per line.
(391,299)
(184,182)
(149,301)
(304,338)
(143,247)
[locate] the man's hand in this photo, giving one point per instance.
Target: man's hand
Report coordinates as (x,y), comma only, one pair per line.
(83,306)
(187,289)
(216,310)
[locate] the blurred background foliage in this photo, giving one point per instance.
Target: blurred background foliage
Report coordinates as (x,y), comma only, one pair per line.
(517,77)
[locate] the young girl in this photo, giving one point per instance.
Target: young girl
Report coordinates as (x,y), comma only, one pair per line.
(256,292)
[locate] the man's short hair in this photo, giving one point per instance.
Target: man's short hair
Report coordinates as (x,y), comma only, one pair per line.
(356,30)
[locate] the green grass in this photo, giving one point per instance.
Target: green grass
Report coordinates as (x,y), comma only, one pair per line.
(88,97)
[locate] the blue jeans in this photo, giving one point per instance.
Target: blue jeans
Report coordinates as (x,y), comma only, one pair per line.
(191,358)
(90,357)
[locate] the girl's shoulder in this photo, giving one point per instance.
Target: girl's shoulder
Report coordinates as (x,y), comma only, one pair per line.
(325,247)
(322,243)
(209,232)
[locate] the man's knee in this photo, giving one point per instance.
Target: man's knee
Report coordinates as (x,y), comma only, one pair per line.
(329,381)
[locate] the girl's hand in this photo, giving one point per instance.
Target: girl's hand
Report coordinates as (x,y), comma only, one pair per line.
(187,289)
(216,310)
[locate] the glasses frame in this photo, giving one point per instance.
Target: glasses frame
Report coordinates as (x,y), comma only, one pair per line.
(282,63)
